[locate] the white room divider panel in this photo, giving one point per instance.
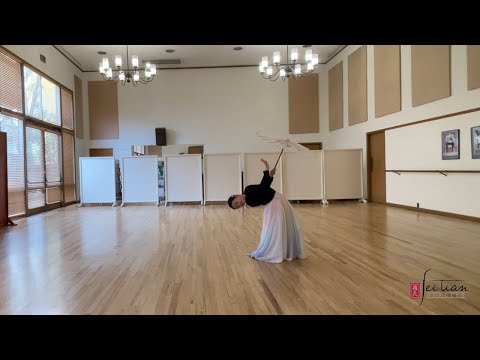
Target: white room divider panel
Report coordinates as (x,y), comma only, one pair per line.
(343,174)
(253,169)
(140,179)
(302,175)
(97,180)
(183,178)
(222,176)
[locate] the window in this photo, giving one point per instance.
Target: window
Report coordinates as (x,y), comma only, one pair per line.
(42,97)
(53,167)
(40,157)
(53,159)
(67,110)
(10,84)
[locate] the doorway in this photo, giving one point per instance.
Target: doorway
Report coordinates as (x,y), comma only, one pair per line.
(376,167)
(44,170)
(313,146)
(101,152)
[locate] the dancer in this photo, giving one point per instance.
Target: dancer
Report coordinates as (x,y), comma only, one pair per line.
(281,237)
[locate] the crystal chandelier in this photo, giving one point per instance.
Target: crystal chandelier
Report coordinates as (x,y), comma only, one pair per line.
(127,75)
(293,69)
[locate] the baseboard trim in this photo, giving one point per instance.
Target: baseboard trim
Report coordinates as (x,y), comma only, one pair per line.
(436,212)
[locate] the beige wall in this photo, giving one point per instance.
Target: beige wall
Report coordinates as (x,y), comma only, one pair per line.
(355,136)
(219,108)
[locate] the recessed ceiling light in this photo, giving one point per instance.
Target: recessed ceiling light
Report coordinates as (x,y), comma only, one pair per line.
(170,51)
(237,48)
(305,46)
(102,52)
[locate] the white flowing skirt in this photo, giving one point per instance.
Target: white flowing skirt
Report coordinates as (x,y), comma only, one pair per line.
(281,237)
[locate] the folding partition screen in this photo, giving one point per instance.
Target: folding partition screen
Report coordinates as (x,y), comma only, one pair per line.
(183,178)
(97,180)
(253,169)
(222,176)
(343,177)
(302,175)
(140,179)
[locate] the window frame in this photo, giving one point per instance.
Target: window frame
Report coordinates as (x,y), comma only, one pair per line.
(32,121)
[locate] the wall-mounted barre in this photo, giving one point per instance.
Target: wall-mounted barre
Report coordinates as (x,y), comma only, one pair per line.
(443,172)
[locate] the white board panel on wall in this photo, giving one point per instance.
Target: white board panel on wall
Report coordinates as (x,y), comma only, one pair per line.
(223,176)
(183,178)
(140,179)
(97,179)
(253,169)
(343,174)
(302,175)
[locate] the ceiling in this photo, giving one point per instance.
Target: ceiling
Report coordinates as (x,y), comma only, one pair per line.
(86,57)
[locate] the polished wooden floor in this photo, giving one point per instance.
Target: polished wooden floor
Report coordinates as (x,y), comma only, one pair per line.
(189,259)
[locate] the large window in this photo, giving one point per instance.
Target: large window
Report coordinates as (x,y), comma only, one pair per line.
(37,115)
(42,97)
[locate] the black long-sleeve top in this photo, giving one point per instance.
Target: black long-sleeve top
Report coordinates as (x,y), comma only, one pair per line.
(261,194)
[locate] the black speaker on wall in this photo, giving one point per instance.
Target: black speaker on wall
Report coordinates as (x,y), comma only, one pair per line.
(161,136)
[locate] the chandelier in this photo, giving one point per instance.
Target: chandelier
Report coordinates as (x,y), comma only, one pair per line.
(293,69)
(127,75)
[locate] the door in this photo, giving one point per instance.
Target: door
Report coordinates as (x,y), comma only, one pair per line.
(195,149)
(53,169)
(44,175)
(101,152)
(376,166)
(313,146)
(35,170)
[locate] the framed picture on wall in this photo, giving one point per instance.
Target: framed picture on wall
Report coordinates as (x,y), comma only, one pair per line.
(451,144)
(476,142)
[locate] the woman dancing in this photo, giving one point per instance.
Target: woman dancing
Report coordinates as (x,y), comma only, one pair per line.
(281,237)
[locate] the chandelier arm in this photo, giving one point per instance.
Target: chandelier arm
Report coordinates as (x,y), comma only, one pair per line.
(113,79)
(145,80)
(274,76)
(271,78)
(308,72)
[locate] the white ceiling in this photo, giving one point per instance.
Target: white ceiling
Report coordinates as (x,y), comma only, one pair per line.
(86,57)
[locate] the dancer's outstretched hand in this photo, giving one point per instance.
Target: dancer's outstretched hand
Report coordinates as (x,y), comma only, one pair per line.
(267,167)
(272,172)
